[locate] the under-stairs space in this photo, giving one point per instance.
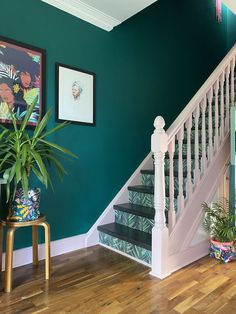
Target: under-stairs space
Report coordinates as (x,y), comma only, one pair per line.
(130,233)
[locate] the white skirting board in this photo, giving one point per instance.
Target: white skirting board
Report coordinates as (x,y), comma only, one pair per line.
(24,256)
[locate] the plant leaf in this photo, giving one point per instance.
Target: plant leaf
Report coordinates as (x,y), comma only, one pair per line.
(38,174)
(28,114)
(41,125)
(18,170)
(41,165)
(62,149)
(24,182)
(55,129)
(25,147)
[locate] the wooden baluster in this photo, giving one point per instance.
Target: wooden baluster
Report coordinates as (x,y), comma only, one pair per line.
(227,72)
(204,160)
(222,106)
(189,158)
(210,145)
(232,66)
(160,232)
(171,213)
(196,147)
(180,137)
(216,91)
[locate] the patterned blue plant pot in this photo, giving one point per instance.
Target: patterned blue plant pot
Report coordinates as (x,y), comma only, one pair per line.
(25,210)
(224,251)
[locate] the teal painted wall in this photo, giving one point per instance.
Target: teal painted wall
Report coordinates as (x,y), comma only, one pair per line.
(150,65)
(231,26)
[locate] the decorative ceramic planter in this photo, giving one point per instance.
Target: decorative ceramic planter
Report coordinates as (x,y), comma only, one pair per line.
(25,210)
(224,251)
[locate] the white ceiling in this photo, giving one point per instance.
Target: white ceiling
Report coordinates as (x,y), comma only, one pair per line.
(119,9)
(231,4)
(105,14)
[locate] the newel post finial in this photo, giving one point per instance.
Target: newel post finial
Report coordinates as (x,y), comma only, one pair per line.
(159,124)
(159,139)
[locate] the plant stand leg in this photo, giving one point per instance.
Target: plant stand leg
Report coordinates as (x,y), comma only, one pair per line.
(47,248)
(35,245)
(9,259)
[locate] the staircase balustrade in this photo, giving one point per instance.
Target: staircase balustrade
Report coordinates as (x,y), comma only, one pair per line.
(203,125)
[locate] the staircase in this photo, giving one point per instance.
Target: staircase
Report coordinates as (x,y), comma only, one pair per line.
(163,213)
(131,231)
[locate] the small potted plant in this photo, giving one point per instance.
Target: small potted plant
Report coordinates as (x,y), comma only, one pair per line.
(220,225)
(23,153)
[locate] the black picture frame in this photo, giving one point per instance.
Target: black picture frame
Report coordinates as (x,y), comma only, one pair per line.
(22,81)
(75,95)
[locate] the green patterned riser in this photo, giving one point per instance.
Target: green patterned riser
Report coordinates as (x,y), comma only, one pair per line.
(128,248)
(199,134)
(145,199)
(134,221)
(185,148)
(176,164)
(148,180)
(207,121)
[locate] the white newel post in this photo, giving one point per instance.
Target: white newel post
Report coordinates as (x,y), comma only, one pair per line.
(160,232)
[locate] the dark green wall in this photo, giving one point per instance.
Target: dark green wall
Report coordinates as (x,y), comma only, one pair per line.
(150,65)
(231,26)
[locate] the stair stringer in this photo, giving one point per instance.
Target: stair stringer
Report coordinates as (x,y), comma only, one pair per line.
(122,196)
(181,252)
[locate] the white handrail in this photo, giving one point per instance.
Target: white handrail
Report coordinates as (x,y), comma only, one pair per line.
(183,116)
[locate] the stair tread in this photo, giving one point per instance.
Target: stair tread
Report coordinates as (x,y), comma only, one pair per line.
(184,155)
(134,236)
(142,189)
(138,210)
(151,172)
(148,190)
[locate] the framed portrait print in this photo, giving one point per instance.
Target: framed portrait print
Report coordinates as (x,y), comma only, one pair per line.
(22,81)
(75,95)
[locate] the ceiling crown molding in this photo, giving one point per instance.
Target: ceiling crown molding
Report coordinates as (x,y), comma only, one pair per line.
(85,12)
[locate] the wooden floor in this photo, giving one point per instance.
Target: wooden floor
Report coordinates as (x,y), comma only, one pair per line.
(96,280)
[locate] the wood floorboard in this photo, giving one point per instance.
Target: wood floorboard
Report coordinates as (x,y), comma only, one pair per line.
(99,281)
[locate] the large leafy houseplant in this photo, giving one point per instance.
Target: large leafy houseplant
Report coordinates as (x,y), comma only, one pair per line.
(23,153)
(219,223)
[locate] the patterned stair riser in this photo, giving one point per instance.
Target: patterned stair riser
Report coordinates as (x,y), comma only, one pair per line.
(192,136)
(199,135)
(128,248)
(134,221)
(176,164)
(207,123)
(147,199)
(148,180)
(185,148)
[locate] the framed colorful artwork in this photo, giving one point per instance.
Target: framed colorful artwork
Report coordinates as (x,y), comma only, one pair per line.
(75,94)
(22,81)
